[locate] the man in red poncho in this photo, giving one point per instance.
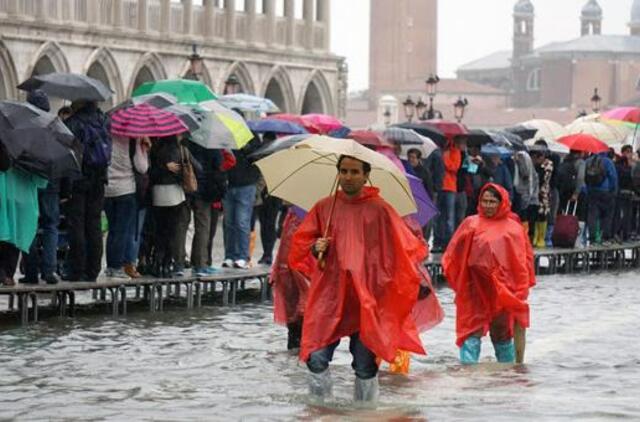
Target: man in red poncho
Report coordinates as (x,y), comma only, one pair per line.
(489,265)
(368,286)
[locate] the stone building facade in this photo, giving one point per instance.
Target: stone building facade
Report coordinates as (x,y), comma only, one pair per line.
(277,49)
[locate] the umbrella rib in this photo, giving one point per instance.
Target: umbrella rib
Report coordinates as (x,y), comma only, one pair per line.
(300,168)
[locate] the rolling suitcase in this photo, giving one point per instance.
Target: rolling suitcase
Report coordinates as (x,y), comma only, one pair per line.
(566,229)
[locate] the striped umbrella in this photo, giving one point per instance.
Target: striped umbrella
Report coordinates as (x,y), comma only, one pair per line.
(145,120)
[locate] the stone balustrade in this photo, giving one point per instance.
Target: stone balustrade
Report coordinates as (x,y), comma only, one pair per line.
(206,22)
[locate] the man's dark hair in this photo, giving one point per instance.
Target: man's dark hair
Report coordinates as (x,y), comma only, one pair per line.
(415,151)
(366,167)
(627,148)
(493,191)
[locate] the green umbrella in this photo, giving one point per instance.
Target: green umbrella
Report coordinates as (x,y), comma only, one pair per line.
(185,90)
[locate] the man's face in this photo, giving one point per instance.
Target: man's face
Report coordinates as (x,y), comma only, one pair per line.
(352,176)
(413,159)
(628,154)
(489,204)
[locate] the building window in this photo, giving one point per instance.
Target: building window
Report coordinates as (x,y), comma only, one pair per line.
(533,81)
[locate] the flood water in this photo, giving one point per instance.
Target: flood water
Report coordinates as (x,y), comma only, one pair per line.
(230,364)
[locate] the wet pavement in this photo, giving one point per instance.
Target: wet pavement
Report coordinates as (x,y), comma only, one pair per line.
(230,364)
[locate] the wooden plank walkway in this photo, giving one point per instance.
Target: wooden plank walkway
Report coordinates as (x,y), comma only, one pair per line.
(23,298)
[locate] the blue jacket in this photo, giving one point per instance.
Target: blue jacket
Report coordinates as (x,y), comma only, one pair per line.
(610,182)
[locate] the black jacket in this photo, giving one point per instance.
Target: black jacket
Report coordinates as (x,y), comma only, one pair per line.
(164,151)
(244,173)
(212,182)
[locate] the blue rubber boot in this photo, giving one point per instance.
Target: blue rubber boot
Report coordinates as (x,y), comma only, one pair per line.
(470,351)
(505,352)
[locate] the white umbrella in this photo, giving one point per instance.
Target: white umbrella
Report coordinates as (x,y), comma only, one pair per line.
(607,133)
(547,129)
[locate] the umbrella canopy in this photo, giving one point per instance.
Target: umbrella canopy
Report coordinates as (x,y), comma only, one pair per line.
(275,126)
(522,132)
(369,138)
(69,86)
(602,131)
(493,149)
(278,145)
(186,91)
(593,117)
(552,146)
(584,142)
(323,122)
(250,103)
(623,114)
(37,141)
(501,138)
(426,208)
(306,173)
(145,120)
(294,118)
(222,128)
(400,136)
(191,117)
(427,131)
(546,129)
(449,129)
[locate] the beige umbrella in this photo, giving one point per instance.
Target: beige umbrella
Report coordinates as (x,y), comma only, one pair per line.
(607,133)
(547,129)
(307,173)
(593,117)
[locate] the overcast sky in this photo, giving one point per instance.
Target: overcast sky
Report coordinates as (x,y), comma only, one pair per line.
(468,29)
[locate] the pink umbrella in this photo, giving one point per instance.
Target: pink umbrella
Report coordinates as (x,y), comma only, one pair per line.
(323,122)
(623,114)
(143,120)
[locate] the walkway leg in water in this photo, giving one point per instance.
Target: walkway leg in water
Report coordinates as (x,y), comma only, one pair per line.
(470,351)
(520,340)
(320,384)
(366,390)
(505,352)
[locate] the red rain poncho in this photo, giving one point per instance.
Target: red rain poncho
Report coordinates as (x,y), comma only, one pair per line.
(290,286)
(369,284)
(489,265)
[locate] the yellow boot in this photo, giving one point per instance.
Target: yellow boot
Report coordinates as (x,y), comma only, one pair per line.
(541,232)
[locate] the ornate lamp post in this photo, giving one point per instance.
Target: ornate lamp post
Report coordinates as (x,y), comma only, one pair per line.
(409,108)
(195,63)
(421,108)
(432,85)
(459,107)
(231,85)
(596,100)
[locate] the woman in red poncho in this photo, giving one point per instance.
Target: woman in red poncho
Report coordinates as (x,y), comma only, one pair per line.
(489,265)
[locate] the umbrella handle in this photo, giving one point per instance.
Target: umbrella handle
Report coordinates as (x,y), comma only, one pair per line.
(322,263)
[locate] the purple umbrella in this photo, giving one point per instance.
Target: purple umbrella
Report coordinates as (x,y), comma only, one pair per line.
(426,209)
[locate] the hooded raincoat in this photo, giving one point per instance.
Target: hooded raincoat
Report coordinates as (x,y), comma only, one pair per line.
(369,284)
(489,265)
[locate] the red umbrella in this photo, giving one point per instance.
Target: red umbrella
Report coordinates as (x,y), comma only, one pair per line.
(369,138)
(584,142)
(324,122)
(449,129)
(143,120)
(299,120)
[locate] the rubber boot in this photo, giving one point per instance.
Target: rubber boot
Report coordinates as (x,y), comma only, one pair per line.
(470,351)
(320,385)
(541,231)
(505,351)
(366,390)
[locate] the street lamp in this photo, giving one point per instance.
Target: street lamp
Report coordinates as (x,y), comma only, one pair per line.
(195,63)
(231,85)
(432,85)
(595,101)
(421,107)
(387,117)
(459,107)
(409,108)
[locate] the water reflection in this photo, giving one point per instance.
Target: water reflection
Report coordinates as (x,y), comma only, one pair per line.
(218,363)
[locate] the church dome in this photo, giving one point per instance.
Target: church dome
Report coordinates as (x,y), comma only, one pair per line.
(524,7)
(635,12)
(592,9)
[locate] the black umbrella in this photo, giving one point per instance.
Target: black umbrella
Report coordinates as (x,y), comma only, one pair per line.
(278,145)
(426,130)
(522,131)
(37,141)
(70,86)
(190,116)
(479,137)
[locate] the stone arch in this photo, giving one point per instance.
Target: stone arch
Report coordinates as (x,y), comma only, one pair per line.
(205,76)
(49,58)
(240,71)
(277,87)
(316,96)
(101,65)
(8,74)
(148,68)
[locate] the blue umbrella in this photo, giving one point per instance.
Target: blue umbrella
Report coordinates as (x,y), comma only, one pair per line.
(276,126)
(249,103)
(492,149)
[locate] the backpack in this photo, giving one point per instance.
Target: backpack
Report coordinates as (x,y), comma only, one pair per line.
(96,144)
(567,177)
(635,177)
(595,171)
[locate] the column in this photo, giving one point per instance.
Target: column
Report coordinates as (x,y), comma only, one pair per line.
(270,12)
(250,20)
(307,13)
(187,17)
(143,22)
(12,7)
(209,18)
(165,16)
(324,16)
(117,13)
(290,15)
(230,17)
(92,13)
